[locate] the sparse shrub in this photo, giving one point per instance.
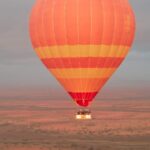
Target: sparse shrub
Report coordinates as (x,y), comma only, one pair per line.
(91,148)
(74,145)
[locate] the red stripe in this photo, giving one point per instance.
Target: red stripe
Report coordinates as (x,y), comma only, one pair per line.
(83,99)
(84,62)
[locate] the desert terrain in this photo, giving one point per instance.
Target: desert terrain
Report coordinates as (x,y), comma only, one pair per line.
(50,125)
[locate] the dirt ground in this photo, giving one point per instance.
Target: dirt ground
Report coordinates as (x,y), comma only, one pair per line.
(50,125)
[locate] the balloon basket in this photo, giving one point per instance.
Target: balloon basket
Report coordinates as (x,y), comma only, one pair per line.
(83,114)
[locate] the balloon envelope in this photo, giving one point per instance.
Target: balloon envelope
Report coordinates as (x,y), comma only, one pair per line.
(82,42)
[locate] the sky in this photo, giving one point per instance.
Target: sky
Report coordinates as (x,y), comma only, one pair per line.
(22,75)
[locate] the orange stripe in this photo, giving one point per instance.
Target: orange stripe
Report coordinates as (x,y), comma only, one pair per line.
(82,84)
(83,62)
(58,22)
(83,72)
(82,51)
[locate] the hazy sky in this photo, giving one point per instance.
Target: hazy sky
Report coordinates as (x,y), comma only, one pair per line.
(23,75)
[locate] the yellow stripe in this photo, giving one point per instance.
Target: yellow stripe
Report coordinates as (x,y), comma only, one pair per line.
(82,51)
(83,72)
(82,85)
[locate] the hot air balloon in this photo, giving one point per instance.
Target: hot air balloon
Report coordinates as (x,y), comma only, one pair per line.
(82,42)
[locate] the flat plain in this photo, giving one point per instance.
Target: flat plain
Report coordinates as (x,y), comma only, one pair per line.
(51,125)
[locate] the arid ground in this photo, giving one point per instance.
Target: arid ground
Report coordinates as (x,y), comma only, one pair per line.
(50,125)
